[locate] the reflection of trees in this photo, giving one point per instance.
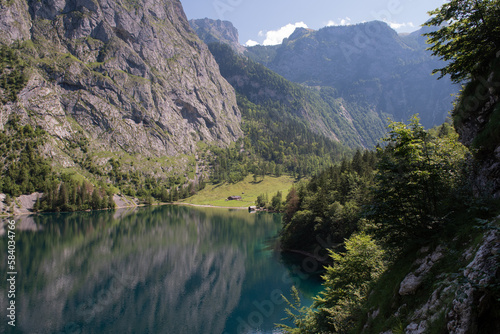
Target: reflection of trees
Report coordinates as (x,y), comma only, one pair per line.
(169,269)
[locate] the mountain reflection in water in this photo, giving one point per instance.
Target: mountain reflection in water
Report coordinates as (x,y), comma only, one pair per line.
(167,269)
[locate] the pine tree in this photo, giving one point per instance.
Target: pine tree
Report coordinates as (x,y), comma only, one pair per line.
(111,202)
(96,199)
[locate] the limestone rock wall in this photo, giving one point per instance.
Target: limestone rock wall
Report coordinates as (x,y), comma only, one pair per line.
(128,75)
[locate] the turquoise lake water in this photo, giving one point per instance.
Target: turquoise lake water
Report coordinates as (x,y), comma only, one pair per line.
(166,269)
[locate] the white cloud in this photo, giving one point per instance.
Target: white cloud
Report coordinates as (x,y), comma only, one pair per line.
(397,26)
(251,43)
(274,37)
(341,22)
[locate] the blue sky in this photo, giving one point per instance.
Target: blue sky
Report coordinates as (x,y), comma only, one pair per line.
(269,21)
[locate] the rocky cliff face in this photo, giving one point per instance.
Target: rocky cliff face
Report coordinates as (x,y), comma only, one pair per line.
(477,120)
(217,31)
(126,76)
(464,299)
(448,288)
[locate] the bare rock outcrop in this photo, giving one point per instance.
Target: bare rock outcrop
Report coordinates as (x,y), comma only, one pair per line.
(128,76)
(472,297)
(217,31)
(413,280)
(463,299)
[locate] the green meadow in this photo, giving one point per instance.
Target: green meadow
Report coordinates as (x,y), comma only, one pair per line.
(248,189)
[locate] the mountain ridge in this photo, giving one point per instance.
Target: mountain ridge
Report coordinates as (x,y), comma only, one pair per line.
(367,62)
(321,110)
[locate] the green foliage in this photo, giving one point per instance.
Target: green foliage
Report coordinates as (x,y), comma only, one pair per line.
(267,130)
(475,103)
(23,169)
(229,164)
(346,284)
(489,138)
(468,37)
(262,201)
(70,195)
(292,204)
(411,199)
(418,179)
(277,202)
(267,148)
(329,207)
(12,74)
(301,316)
(146,187)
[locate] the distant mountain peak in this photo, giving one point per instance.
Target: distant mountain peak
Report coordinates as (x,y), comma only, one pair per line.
(371,29)
(217,31)
(300,32)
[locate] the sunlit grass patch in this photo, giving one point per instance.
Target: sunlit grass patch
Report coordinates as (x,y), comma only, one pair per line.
(216,194)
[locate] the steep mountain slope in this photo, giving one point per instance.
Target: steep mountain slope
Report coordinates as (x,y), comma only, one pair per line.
(322,110)
(217,31)
(369,64)
(128,78)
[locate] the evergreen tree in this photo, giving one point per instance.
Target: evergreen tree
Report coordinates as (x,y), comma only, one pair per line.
(347,283)
(416,178)
(277,201)
(96,199)
(292,205)
(63,196)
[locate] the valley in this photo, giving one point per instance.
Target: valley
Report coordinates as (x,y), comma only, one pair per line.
(380,182)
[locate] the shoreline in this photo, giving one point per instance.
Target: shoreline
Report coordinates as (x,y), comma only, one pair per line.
(24,213)
(210,206)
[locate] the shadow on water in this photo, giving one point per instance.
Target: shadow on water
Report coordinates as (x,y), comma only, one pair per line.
(306,273)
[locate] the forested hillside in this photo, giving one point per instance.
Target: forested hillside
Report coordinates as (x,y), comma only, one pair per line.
(322,110)
(279,136)
(419,218)
(274,144)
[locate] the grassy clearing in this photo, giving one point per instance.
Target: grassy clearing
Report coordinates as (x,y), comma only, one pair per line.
(248,189)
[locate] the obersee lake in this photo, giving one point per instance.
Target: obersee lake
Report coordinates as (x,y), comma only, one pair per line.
(164,269)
